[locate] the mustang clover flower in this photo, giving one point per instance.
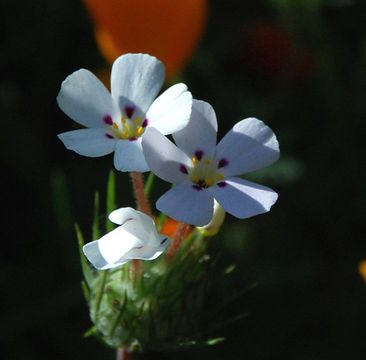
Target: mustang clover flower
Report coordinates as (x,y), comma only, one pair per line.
(203,171)
(135,238)
(117,121)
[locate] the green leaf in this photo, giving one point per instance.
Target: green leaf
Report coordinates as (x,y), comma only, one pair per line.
(111,198)
(86,290)
(87,272)
(90,332)
(96,224)
(215,341)
(149,184)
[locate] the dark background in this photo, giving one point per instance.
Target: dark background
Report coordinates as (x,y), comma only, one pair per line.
(298,65)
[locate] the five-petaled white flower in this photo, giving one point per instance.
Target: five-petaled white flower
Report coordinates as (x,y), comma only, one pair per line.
(203,171)
(116,121)
(135,238)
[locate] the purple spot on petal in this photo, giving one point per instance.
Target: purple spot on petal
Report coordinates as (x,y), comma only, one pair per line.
(129,110)
(108,120)
(109,136)
(197,187)
(132,138)
(145,123)
(222,184)
(183,169)
(199,154)
(222,163)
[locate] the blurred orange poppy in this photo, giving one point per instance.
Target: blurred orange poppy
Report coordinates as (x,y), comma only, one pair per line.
(170,227)
(167,29)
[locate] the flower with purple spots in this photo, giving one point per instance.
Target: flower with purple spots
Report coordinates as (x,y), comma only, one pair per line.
(136,237)
(117,121)
(203,171)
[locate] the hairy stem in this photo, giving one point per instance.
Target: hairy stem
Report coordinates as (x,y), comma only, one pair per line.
(123,354)
(142,201)
(181,233)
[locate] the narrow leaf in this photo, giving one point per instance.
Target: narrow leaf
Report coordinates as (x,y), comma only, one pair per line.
(87,272)
(111,198)
(96,224)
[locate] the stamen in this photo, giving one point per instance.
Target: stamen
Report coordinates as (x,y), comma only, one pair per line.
(195,160)
(140,130)
(209,181)
(132,138)
(183,169)
(222,184)
(222,163)
(115,126)
(108,120)
(199,154)
(197,187)
(145,123)
(129,110)
(109,136)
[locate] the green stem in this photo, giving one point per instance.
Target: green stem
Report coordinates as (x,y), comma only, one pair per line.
(100,295)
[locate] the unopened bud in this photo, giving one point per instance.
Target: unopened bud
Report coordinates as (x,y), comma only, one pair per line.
(213,227)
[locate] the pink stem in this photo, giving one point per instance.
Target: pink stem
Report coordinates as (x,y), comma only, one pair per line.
(124,354)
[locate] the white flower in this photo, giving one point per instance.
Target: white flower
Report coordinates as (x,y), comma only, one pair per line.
(203,171)
(116,121)
(135,238)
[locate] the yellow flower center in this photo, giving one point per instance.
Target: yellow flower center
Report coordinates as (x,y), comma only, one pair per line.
(205,171)
(129,126)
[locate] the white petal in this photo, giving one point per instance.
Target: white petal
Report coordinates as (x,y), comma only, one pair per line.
(143,228)
(171,110)
(109,251)
(88,142)
(149,252)
(128,156)
(185,203)
(243,198)
(86,100)
(201,131)
(164,158)
(250,145)
(120,216)
(138,78)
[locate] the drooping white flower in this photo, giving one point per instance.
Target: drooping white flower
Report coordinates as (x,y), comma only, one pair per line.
(117,121)
(135,238)
(204,171)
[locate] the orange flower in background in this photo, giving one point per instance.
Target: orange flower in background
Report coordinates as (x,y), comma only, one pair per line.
(167,29)
(170,227)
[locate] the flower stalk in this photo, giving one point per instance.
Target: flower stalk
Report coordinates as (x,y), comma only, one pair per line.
(142,201)
(181,233)
(123,354)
